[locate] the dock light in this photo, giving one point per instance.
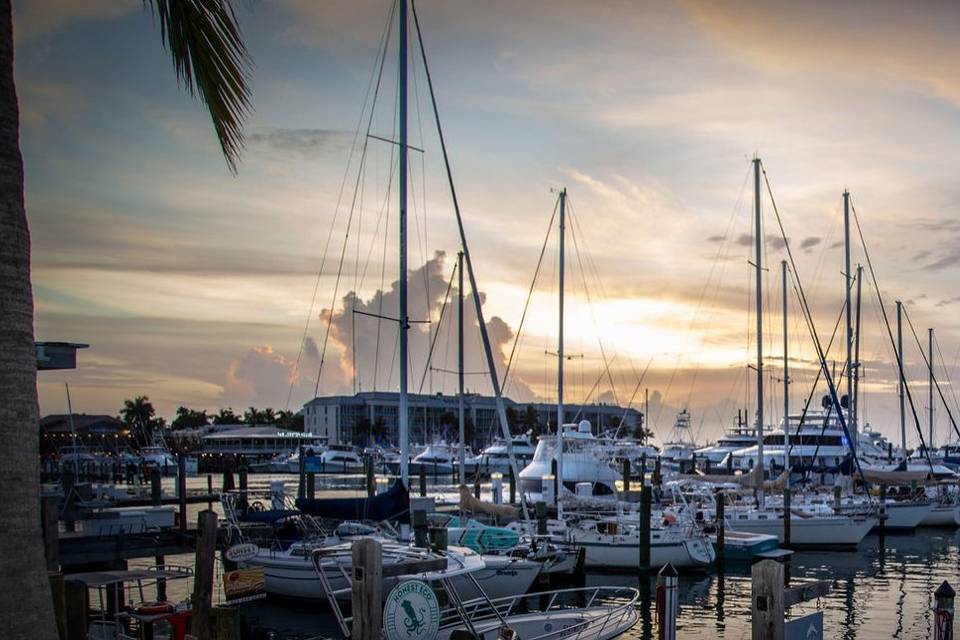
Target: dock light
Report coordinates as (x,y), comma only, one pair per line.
(547,489)
(383,483)
(496,480)
(620,486)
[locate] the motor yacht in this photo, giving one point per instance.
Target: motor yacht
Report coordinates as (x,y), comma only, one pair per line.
(495,458)
(585,460)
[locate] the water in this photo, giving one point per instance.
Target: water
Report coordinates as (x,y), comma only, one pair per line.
(875,595)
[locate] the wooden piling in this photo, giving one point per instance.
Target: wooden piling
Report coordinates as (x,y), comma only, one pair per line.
(556,480)
(58,591)
(423,482)
(882,527)
(656,471)
(156,490)
(626,476)
(203,576)
(301,486)
(371,479)
(50,510)
(182,489)
(420,537)
(721,524)
(644,530)
(836,499)
(209,490)
(476,487)
(541,513)
(242,477)
(367,604)
(643,469)
(311,485)
(77,607)
(786,516)
(767,604)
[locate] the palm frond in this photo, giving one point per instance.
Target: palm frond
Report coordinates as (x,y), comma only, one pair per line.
(211,61)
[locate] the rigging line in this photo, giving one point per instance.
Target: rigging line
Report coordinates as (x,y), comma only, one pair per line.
(436,334)
(363,159)
(946,372)
(533,284)
(633,395)
(383,270)
(586,399)
(806,311)
(936,382)
(384,43)
(586,292)
(883,311)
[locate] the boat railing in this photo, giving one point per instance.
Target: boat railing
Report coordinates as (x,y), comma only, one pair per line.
(620,602)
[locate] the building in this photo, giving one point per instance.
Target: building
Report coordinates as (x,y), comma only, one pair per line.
(102,432)
(372,416)
(256,441)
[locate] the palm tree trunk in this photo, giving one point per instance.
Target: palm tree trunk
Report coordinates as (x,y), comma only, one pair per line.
(26,606)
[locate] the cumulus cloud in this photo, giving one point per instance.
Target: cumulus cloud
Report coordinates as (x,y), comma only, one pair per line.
(303,141)
(808,243)
(263,377)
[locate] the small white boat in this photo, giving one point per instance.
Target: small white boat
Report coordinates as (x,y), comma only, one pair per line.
(496,459)
(591,613)
(807,529)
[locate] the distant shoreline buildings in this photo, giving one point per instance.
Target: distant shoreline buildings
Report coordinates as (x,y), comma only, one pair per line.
(355,419)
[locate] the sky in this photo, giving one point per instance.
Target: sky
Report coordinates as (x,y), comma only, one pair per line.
(197,287)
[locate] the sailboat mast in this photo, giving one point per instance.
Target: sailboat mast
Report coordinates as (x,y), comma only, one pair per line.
(849,315)
(403,410)
(855,369)
(563,227)
(903,412)
(930,362)
(786,372)
(758,256)
(462,423)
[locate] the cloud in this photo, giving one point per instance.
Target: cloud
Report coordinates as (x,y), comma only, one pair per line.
(303,141)
(920,255)
(33,18)
(262,377)
(808,243)
(951,258)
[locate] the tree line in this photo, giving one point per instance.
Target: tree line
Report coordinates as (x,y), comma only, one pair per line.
(140,417)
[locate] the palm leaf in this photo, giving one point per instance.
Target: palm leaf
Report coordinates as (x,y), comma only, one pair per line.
(211,61)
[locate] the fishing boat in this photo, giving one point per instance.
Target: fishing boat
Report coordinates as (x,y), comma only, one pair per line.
(740,436)
(495,458)
(585,460)
(677,453)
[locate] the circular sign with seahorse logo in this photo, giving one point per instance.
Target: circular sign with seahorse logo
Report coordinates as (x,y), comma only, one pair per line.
(411,612)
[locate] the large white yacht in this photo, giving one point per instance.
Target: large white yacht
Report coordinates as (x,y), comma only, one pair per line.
(496,459)
(740,436)
(585,459)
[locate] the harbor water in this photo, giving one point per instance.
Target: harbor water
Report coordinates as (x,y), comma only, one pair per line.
(876,594)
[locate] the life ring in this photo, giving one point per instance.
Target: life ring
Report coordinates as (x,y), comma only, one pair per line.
(154,608)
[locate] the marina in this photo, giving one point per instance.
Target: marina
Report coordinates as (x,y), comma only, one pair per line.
(524,402)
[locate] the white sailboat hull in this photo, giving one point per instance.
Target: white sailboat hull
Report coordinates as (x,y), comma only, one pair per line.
(296,577)
(622,552)
(942,516)
(813,531)
(906,516)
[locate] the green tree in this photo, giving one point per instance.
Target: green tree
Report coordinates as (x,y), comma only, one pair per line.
(531,420)
(254,416)
(189,419)
(227,416)
(211,62)
(289,421)
(362,431)
(140,417)
(513,418)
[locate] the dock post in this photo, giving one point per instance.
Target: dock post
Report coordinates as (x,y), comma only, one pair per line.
(420,538)
(476,487)
(67,481)
(209,490)
(182,489)
(721,524)
(729,464)
(706,466)
(156,500)
(766,600)
(943,612)
(836,499)
(311,485)
(228,485)
(786,516)
(301,487)
(367,591)
(668,603)
(656,472)
(242,478)
(889,452)
(882,527)
(50,512)
(541,511)
(556,479)
(513,486)
(644,532)
(626,476)
(693,462)
(643,469)
(203,573)
(371,480)
(496,482)
(77,600)
(423,482)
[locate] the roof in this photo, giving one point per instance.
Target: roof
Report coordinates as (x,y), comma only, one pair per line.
(81,422)
(103,578)
(257,432)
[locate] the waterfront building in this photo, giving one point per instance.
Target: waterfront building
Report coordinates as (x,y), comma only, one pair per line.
(372,416)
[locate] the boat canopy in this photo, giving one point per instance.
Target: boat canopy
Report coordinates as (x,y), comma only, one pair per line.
(392,505)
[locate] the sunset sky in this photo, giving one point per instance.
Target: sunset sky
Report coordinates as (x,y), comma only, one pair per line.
(193,286)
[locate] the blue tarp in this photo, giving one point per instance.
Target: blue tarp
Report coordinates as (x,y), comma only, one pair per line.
(392,505)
